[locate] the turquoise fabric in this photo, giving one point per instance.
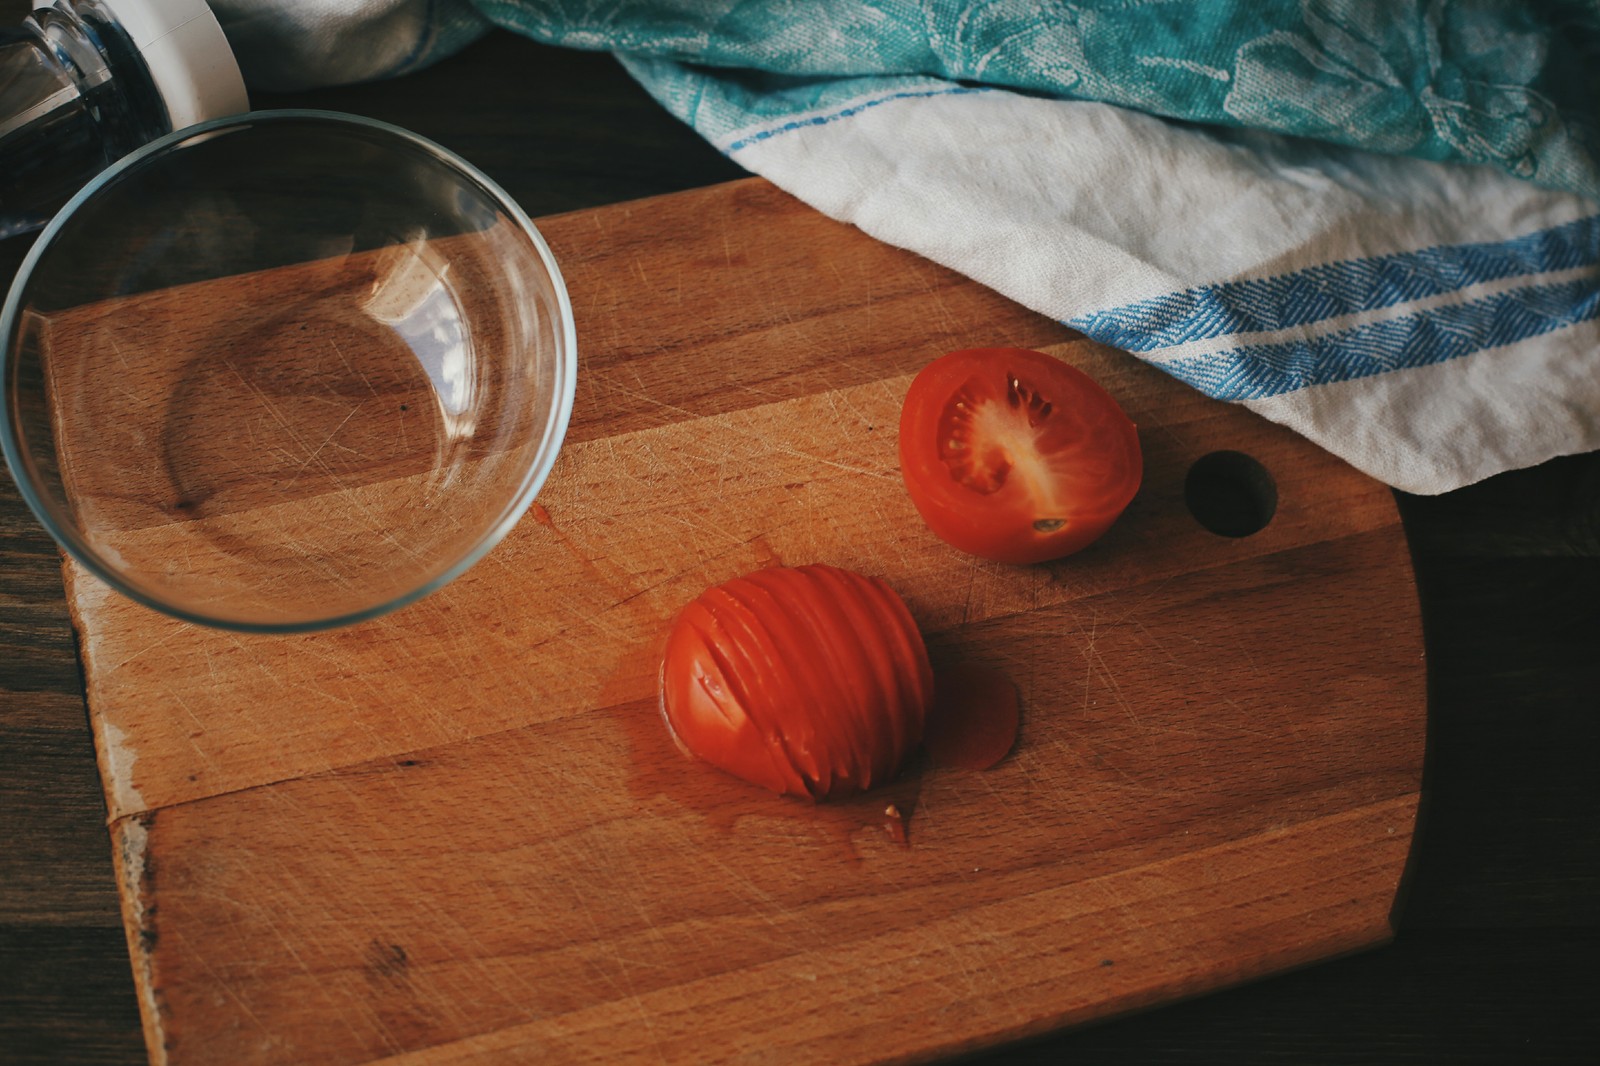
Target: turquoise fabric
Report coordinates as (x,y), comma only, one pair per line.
(1500,82)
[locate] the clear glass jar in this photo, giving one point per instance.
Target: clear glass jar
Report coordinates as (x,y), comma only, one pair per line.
(84,82)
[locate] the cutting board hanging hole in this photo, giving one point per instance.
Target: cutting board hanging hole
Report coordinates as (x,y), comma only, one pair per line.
(1231,494)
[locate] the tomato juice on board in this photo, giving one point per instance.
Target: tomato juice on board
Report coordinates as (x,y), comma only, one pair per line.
(973,722)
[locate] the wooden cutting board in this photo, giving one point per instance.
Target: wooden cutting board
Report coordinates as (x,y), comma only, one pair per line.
(459,833)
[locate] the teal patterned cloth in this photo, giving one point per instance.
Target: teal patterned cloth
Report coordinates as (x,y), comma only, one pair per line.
(1503,82)
(1508,83)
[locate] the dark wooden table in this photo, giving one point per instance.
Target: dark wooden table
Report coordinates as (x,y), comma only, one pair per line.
(1497,957)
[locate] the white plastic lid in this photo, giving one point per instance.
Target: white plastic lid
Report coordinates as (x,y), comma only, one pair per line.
(188,57)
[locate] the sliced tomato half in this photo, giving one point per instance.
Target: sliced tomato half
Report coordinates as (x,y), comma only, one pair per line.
(1015,455)
(811,681)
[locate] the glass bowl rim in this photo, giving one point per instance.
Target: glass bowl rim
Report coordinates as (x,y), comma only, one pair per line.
(551,438)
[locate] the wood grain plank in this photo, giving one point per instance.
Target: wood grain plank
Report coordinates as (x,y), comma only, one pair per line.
(460,831)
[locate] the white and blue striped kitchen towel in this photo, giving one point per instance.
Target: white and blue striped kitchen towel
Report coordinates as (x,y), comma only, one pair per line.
(1284,236)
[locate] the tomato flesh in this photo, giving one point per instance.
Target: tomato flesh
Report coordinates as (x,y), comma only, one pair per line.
(809,681)
(1015,455)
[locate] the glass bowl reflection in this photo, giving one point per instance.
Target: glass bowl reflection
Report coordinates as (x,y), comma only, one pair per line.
(285,371)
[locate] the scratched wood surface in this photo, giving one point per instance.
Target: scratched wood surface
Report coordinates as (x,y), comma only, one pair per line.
(459,834)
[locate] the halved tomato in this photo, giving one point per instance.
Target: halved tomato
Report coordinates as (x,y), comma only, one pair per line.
(1015,455)
(811,681)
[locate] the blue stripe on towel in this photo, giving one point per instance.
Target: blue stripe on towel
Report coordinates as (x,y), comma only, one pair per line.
(1253,372)
(1328,290)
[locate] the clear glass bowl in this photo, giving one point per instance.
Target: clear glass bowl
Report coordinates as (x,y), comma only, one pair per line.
(285,371)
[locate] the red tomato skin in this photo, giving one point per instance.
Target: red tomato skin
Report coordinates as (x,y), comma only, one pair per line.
(808,681)
(1100,447)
